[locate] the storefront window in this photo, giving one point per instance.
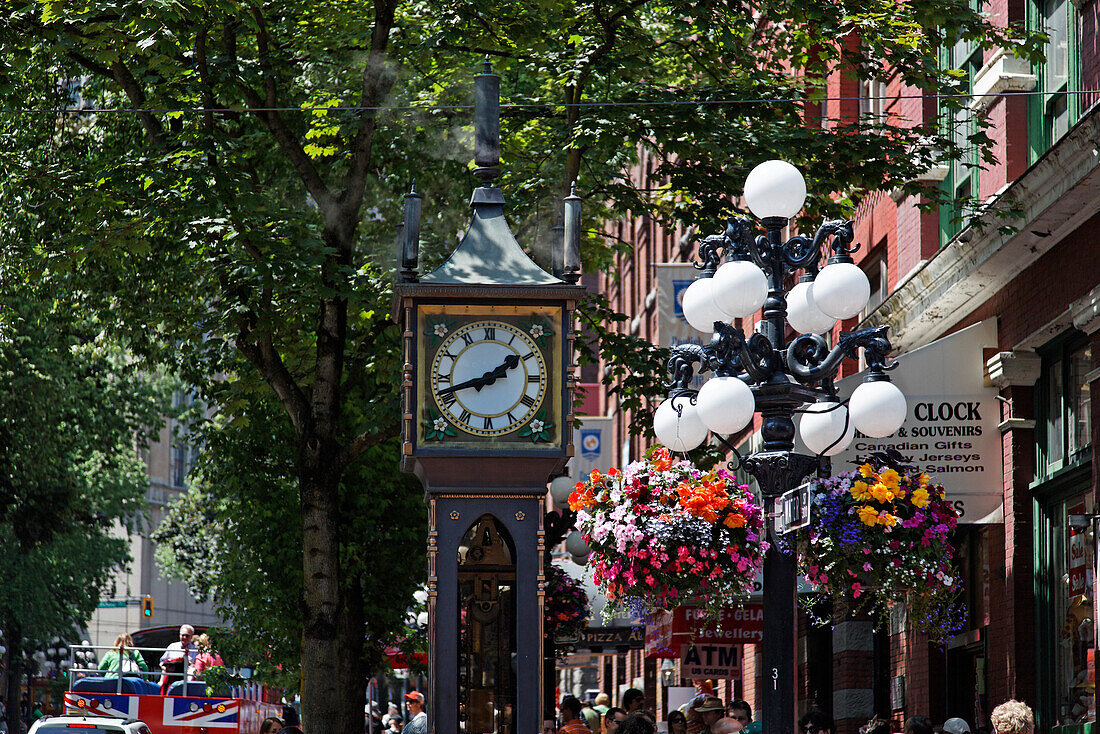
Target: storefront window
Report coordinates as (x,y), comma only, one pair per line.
(1074,662)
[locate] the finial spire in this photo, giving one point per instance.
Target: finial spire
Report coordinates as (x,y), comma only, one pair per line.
(487,124)
(571,260)
(408,237)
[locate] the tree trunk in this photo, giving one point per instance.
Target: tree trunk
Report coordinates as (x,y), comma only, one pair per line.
(326,674)
(13,634)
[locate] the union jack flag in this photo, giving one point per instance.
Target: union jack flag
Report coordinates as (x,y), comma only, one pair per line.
(101,704)
(212,713)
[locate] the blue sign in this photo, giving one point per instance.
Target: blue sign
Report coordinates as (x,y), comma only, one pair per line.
(678,288)
(590,442)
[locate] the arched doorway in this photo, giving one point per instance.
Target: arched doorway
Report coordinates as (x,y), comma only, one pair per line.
(487,628)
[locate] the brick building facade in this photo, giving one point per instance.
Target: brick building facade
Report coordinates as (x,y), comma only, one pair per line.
(1030,573)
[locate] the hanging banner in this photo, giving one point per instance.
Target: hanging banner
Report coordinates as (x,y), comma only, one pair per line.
(672,328)
(950,430)
(592,447)
(665,636)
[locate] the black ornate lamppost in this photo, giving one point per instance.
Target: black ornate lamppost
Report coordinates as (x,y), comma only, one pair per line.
(763,373)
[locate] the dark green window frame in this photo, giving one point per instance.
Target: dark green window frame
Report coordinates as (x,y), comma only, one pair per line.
(961,182)
(1053,112)
(1061,441)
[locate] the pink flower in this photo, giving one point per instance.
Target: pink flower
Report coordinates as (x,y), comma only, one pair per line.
(867,566)
(857,589)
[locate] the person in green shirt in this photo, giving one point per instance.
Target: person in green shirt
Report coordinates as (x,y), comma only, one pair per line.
(121,658)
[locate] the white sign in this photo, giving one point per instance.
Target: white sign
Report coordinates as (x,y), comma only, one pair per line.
(794,509)
(950,431)
(710,661)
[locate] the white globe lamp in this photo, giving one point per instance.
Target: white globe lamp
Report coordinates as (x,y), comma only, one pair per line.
(802,312)
(841,289)
(700,310)
(822,426)
(775,189)
(575,545)
(878,408)
(725,404)
(740,288)
(679,432)
(560,489)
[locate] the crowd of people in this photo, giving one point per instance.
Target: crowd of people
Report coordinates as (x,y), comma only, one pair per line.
(707,714)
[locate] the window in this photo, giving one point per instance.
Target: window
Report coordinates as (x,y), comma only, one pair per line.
(872,101)
(1064,405)
(961,183)
(1051,113)
(876,275)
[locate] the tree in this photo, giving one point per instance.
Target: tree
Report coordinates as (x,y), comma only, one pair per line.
(235,221)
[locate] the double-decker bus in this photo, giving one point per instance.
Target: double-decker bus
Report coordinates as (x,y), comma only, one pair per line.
(187,707)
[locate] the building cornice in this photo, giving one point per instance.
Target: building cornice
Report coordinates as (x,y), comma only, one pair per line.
(1055,195)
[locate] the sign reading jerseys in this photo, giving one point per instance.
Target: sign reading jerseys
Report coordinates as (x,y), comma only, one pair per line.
(950,431)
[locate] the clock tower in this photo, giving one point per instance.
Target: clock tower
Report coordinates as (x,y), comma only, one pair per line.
(487,419)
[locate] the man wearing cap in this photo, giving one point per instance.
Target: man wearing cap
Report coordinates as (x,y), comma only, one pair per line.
(704,714)
(418,720)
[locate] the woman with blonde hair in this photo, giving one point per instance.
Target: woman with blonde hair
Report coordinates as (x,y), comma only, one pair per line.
(206,658)
(119,658)
(1013,717)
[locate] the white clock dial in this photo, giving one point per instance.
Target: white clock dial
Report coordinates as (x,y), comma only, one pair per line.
(488,378)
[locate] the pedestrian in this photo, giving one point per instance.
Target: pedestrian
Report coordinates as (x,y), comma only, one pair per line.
(877,725)
(703,713)
(677,722)
(418,720)
(612,719)
(603,703)
(633,700)
(570,718)
(816,721)
(638,722)
(918,725)
(291,723)
(956,725)
(394,724)
(591,716)
(122,658)
(271,725)
(726,725)
(1013,717)
(740,711)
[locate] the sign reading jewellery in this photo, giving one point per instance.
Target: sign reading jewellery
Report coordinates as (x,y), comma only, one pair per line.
(950,430)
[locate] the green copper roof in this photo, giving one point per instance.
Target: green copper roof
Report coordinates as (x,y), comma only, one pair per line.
(489,253)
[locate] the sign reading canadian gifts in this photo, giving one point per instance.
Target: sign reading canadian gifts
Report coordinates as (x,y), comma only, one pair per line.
(950,430)
(687,626)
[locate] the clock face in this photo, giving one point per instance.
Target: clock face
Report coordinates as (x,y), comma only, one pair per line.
(489,375)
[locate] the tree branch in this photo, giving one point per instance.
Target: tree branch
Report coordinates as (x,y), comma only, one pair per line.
(366,440)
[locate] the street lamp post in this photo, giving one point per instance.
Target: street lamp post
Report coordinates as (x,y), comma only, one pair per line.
(762,373)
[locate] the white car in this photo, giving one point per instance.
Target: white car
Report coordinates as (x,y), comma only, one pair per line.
(87,725)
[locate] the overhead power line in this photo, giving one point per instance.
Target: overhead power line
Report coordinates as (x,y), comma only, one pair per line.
(521,106)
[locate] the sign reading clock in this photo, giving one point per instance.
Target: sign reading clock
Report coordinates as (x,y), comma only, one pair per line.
(489,374)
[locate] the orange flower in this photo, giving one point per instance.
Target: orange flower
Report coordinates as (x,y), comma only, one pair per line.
(581,500)
(662,459)
(704,501)
(613,472)
(594,476)
(735,520)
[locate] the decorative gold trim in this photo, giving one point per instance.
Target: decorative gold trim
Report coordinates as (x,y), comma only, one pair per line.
(520,516)
(455,514)
(526,495)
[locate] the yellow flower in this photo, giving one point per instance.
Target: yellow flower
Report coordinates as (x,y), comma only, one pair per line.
(868,515)
(882,493)
(890,478)
(866,470)
(887,519)
(920,497)
(861,491)
(924,480)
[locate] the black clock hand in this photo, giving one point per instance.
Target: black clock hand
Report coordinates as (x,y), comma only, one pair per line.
(511,361)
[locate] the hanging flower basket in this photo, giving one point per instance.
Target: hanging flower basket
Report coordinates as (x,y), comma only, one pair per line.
(567,608)
(879,536)
(663,532)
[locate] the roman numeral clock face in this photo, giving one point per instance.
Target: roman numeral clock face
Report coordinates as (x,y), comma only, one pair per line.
(487,375)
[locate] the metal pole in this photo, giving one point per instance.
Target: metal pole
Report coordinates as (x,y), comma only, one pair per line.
(779,640)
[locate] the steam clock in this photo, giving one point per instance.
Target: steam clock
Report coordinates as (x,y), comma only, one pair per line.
(487,419)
